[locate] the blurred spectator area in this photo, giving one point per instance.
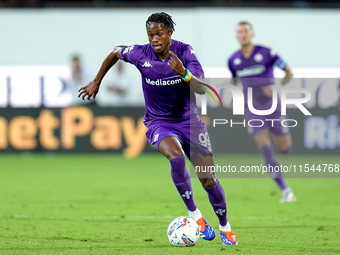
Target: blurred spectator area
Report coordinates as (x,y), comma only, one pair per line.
(168,3)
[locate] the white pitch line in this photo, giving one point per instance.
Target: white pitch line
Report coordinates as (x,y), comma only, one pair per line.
(96,217)
(131,217)
(146,217)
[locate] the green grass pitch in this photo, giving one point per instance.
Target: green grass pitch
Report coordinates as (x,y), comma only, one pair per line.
(108,204)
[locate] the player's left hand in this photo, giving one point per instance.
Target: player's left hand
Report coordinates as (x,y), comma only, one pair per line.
(176,64)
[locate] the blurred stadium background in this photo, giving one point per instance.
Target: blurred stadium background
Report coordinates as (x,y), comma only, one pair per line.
(43,127)
(36,80)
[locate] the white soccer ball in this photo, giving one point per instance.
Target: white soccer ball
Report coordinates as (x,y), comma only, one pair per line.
(183,231)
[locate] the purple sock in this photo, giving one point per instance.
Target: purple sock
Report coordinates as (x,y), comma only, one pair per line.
(268,153)
(217,199)
(182,181)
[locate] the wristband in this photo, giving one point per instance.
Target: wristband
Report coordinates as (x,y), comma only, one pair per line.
(187,76)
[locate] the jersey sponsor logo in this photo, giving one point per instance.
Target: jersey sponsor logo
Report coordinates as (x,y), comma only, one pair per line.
(163,82)
(258,57)
(128,49)
(253,70)
(237,61)
(147,64)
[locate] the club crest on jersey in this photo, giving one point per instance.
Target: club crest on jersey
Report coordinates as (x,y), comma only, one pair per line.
(237,61)
(258,57)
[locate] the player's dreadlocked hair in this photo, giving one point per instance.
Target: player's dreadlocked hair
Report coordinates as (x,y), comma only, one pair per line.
(162,17)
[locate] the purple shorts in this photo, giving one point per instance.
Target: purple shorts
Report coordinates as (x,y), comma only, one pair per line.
(273,122)
(193,135)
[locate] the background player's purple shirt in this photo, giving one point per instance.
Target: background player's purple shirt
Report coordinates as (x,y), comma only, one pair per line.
(167,96)
(257,70)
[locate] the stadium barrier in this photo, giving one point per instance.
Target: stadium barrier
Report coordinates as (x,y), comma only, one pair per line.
(82,129)
(90,129)
(38,117)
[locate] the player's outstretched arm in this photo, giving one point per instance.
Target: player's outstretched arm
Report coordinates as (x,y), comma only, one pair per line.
(90,90)
(288,76)
(195,82)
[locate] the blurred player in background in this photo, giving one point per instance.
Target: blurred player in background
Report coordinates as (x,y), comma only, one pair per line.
(79,77)
(254,65)
(171,73)
(119,85)
(116,91)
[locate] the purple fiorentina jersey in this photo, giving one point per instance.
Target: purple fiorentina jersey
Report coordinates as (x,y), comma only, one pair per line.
(167,96)
(257,70)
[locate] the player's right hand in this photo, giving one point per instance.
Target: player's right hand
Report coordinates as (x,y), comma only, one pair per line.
(90,90)
(176,64)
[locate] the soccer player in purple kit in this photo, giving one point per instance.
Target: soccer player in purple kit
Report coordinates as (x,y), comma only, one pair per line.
(171,74)
(253,65)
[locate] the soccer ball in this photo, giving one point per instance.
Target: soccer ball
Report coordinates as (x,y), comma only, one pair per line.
(183,231)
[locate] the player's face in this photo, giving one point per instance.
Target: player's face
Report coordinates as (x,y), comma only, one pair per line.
(159,37)
(76,63)
(244,34)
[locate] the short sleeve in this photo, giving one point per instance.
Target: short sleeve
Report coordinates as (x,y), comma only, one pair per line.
(190,61)
(277,60)
(131,54)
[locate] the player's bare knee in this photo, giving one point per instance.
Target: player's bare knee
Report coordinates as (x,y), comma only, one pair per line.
(208,182)
(286,150)
(175,153)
